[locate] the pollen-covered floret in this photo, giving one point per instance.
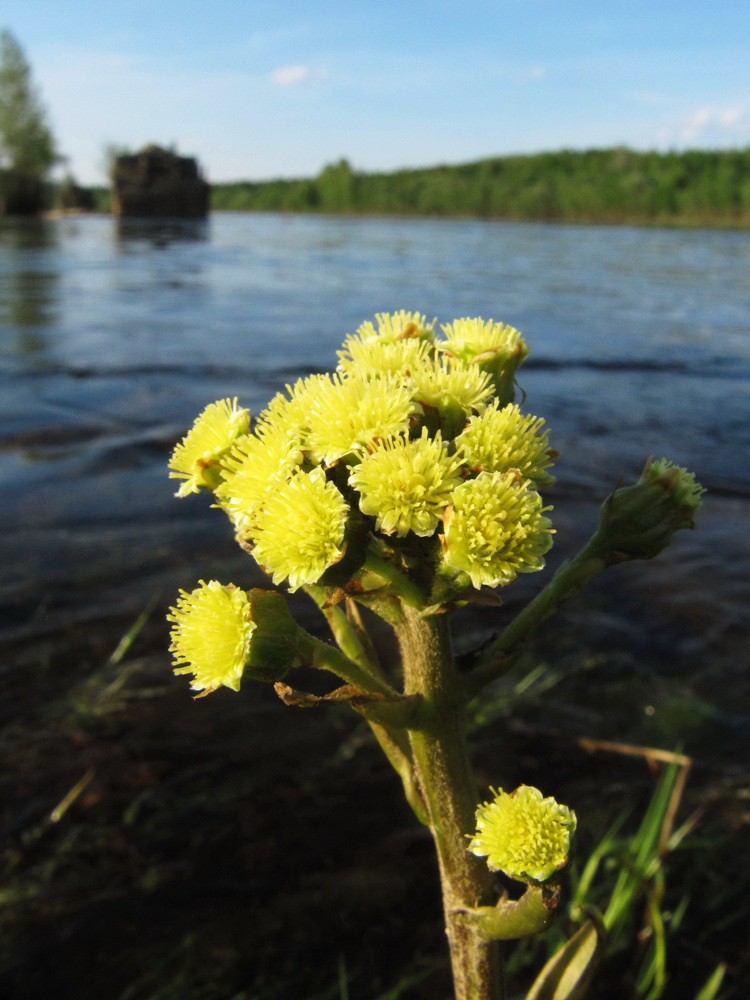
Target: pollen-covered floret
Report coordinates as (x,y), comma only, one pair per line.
(495,528)
(400,325)
(406,485)
(443,384)
(197,457)
(349,414)
(211,635)
(523,834)
(299,532)
(256,464)
(383,356)
(291,410)
(502,438)
(477,340)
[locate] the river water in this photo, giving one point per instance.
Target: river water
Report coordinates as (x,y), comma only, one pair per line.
(115,335)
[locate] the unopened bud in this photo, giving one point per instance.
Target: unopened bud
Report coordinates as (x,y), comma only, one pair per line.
(637,522)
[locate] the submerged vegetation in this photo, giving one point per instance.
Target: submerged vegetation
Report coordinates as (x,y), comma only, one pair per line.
(697,187)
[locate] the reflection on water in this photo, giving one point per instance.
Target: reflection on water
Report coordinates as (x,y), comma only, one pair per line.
(160,234)
(115,334)
(28,279)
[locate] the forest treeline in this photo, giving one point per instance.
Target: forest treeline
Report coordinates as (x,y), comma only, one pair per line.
(697,187)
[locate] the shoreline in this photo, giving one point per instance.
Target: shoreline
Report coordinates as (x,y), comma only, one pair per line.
(629,222)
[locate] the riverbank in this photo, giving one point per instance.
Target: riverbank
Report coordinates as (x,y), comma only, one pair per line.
(611,187)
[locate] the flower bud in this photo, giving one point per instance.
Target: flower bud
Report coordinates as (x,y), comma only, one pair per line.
(523,834)
(637,522)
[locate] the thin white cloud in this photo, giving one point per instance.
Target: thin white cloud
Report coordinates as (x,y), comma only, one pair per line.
(711,123)
(293,76)
(532,73)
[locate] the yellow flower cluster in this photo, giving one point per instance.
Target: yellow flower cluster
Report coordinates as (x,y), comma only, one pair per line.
(413,431)
(523,834)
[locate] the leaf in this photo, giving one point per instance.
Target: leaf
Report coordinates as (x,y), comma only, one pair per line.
(567,975)
(401,710)
(713,984)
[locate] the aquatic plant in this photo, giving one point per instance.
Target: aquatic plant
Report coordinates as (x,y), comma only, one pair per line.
(408,482)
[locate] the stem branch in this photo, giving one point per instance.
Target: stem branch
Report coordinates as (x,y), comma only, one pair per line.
(506,648)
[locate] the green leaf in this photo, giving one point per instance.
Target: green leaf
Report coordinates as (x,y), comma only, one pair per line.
(713,984)
(567,975)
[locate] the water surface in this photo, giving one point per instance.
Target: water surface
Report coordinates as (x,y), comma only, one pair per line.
(114,335)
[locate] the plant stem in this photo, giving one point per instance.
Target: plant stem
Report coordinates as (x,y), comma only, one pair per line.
(398,582)
(393,740)
(350,637)
(502,653)
(322,656)
(448,788)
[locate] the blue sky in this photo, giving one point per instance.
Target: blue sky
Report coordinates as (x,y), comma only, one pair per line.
(266,88)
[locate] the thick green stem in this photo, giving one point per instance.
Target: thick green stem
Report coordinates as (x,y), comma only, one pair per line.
(503,652)
(448,788)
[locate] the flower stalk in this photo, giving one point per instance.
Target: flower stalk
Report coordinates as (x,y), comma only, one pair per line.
(444,776)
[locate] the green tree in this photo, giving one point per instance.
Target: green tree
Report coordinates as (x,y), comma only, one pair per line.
(27,146)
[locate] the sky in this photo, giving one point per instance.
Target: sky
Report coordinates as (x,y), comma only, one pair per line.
(273,88)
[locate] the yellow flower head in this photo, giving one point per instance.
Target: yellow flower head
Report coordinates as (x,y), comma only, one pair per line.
(299,532)
(197,457)
(502,438)
(477,340)
(523,834)
(401,325)
(292,411)
(211,635)
(348,414)
(252,469)
(382,356)
(443,384)
(495,529)
(406,485)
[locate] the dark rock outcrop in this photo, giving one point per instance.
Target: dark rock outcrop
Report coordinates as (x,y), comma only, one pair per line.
(158,182)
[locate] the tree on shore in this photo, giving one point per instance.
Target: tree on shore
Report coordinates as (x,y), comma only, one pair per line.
(27,146)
